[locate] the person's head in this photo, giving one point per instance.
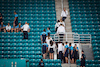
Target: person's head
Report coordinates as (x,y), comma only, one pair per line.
(64,9)
(13,24)
(51,42)
(58,21)
(48,28)
(8,24)
(63,44)
(75,45)
(1,23)
(70,44)
(82,52)
(41,60)
(61,24)
(66,43)
(25,22)
(15,13)
(19,24)
(44,30)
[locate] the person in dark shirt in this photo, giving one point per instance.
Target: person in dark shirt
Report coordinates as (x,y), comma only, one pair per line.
(83,59)
(43,36)
(66,52)
(16,19)
(41,63)
(0,18)
(2,27)
(75,51)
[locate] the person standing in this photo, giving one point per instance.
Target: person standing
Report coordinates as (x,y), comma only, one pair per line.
(8,27)
(61,32)
(0,18)
(83,57)
(75,51)
(60,51)
(51,50)
(64,14)
(44,49)
(16,19)
(25,28)
(2,27)
(43,36)
(66,53)
(48,30)
(71,53)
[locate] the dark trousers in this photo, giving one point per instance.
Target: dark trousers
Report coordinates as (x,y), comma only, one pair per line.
(16,22)
(60,55)
(25,34)
(64,59)
(61,37)
(63,18)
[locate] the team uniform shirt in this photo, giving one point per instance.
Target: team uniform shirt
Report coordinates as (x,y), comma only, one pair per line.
(61,29)
(61,23)
(2,26)
(14,27)
(60,47)
(16,15)
(53,46)
(8,27)
(71,48)
(48,31)
(64,13)
(67,48)
(18,26)
(45,44)
(25,27)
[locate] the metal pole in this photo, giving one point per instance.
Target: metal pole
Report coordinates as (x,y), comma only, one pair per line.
(62,4)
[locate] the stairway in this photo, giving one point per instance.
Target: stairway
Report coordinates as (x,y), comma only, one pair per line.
(88,52)
(69,65)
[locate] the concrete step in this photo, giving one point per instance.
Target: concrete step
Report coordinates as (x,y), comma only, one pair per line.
(88,52)
(68,65)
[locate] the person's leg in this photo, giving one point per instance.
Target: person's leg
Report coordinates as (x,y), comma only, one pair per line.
(62,18)
(43,56)
(66,59)
(24,34)
(14,30)
(17,29)
(11,29)
(50,55)
(72,60)
(0,29)
(5,30)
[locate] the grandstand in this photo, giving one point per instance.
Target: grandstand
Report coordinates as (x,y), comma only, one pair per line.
(40,14)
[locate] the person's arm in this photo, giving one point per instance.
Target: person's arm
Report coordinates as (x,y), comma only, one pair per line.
(41,37)
(1,16)
(67,13)
(65,50)
(61,13)
(76,49)
(15,19)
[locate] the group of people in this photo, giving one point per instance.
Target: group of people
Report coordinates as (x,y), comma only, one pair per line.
(16,27)
(60,25)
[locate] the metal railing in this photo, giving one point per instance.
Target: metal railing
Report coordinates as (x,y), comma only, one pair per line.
(73,38)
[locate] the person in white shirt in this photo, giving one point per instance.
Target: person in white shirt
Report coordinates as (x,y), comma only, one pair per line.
(8,27)
(64,14)
(57,25)
(61,32)
(51,50)
(48,39)
(60,50)
(61,22)
(25,28)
